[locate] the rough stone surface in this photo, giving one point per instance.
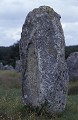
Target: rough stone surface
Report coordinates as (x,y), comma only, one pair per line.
(18,66)
(1,66)
(72,63)
(42,52)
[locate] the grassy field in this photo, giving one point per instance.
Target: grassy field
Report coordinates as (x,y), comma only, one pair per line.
(12,109)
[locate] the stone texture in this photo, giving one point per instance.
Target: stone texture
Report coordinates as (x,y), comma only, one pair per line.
(42,52)
(18,66)
(72,63)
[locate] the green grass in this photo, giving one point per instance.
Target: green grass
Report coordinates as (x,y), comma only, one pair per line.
(9,102)
(11,107)
(10,79)
(71,111)
(73,87)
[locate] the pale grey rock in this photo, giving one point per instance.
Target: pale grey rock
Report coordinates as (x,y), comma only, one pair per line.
(1,66)
(18,66)
(42,52)
(8,67)
(72,63)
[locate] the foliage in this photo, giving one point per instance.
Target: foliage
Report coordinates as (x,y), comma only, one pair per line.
(70,49)
(9,55)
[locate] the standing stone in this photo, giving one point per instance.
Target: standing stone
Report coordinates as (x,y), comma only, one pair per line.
(1,66)
(72,63)
(18,66)
(42,53)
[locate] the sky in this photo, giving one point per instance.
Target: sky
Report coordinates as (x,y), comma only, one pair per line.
(14,12)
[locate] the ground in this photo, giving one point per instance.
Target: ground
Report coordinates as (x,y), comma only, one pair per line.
(11,107)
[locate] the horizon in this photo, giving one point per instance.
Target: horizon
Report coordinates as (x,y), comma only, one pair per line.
(18,41)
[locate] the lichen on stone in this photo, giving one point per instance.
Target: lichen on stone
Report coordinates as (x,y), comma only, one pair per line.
(42,52)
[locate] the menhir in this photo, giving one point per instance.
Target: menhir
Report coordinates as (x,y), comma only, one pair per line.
(42,52)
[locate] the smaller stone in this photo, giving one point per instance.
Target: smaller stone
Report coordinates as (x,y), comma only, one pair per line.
(8,67)
(1,66)
(72,63)
(18,66)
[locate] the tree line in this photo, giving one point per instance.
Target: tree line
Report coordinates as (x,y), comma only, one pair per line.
(9,55)
(70,49)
